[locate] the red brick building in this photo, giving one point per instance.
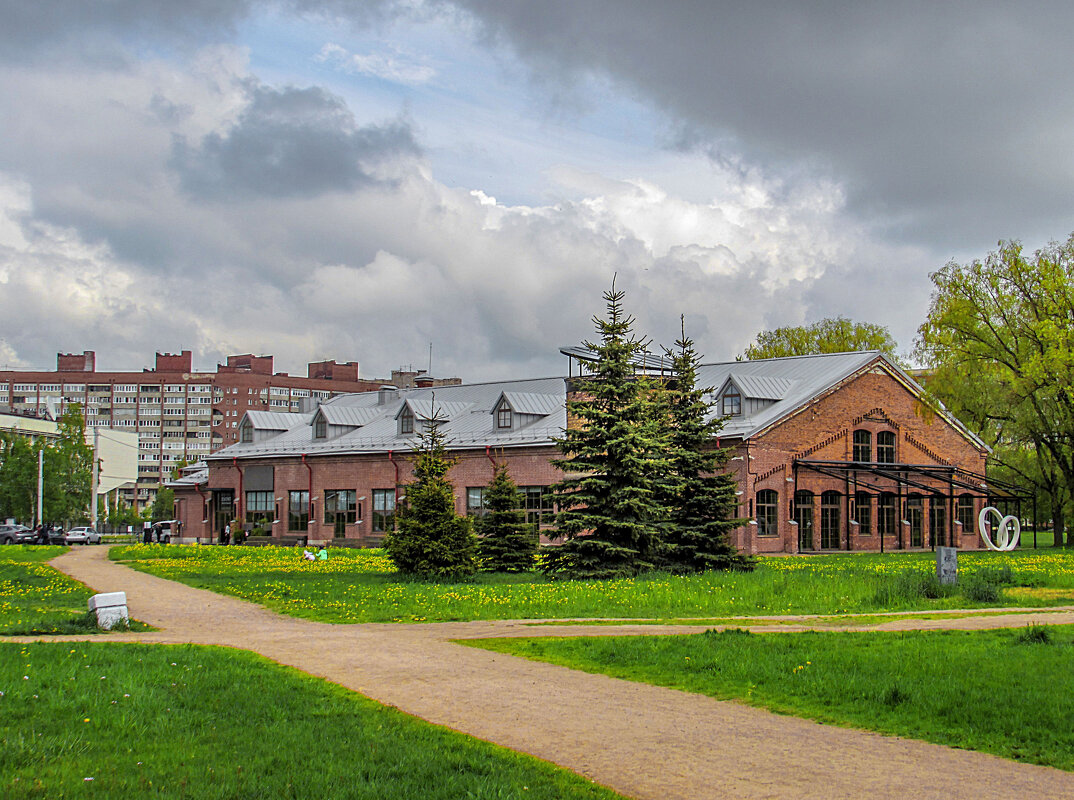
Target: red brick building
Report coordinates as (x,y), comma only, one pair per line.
(831,452)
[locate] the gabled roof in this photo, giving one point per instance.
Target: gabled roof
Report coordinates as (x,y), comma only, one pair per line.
(350,416)
(272,420)
(540,405)
(762,387)
(430,407)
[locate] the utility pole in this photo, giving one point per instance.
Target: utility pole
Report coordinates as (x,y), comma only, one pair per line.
(40,485)
(95,481)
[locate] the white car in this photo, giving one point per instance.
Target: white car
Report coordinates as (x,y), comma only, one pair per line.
(82,536)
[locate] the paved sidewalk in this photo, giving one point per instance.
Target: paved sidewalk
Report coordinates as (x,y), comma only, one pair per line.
(643,741)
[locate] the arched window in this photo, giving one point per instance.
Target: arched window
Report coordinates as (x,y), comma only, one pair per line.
(767,512)
(885,447)
(863,446)
(732,402)
(829,520)
(406,420)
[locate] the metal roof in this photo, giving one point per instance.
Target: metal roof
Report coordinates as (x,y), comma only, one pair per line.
(272,420)
(762,387)
(352,416)
(532,403)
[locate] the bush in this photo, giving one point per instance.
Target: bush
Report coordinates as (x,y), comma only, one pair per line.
(981,590)
(1035,634)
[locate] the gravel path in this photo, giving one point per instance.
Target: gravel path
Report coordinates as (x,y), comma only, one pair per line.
(643,741)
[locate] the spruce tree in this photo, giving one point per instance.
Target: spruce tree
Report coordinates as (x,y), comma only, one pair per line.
(430,539)
(609,505)
(507,543)
(700,493)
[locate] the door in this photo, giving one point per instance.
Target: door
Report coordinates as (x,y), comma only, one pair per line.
(829,520)
(916,517)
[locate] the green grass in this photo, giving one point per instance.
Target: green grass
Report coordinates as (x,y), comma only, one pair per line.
(38,599)
(185,721)
(362,586)
(1005,692)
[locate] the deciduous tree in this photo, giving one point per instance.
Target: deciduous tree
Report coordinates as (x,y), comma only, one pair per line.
(839,335)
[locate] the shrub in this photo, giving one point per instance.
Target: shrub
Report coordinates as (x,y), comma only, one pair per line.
(1035,634)
(981,590)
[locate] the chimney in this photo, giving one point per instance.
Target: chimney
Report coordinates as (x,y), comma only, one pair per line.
(386,394)
(73,362)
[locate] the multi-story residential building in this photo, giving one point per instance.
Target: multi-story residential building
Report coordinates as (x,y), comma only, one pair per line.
(179,414)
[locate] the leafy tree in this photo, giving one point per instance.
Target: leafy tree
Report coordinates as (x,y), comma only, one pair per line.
(18,477)
(430,539)
(839,335)
(702,498)
(507,543)
(163,506)
(999,339)
(610,508)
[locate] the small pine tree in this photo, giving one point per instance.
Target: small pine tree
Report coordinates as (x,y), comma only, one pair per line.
(700,494)
(609,506)
(507,543)
(430,539)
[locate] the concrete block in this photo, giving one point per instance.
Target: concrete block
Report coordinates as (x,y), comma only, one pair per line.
(111,609)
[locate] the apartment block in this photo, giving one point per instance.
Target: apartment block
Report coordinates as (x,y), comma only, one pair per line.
(179,414)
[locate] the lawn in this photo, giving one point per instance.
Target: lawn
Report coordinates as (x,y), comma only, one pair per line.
(35,598)
(127,720)
(362,586)
(1007,692)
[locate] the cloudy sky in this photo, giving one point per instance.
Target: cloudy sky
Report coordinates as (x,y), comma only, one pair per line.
(356,180)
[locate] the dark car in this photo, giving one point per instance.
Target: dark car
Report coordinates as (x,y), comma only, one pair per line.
(16,534)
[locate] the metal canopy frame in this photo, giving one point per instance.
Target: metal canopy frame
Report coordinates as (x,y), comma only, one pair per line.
(903,479)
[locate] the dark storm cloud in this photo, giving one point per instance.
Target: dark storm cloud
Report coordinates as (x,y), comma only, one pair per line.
(28,26)
(950,119)
(290,143)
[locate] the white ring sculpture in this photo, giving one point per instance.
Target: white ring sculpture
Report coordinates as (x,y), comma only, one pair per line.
(1006,541)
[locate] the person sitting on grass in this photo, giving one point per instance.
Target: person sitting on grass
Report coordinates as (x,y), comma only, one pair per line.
(322,554)
(308,556)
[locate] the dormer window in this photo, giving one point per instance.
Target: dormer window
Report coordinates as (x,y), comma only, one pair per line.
(503,415)
(732,402)
(406,421)
(320,428)
(246,433)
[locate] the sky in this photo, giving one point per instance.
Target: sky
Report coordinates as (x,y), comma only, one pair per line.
(379,180)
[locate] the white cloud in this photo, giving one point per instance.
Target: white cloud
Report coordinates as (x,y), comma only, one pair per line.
(395,66)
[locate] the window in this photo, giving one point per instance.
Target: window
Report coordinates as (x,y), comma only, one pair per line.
(383,510)
(247,432)
(537,502)
(475,501)
(320,428)
(298,511)
(767,512)
(503,415)
(885,447)
(260,510)
(340,510)
(406,420)
(964,512)
(732,402)
(863,513)
(885,514)
(863,446)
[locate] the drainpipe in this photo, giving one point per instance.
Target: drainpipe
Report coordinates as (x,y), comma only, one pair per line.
(488,454)
(204,511)
(239,504)
(309,498)
(396,465)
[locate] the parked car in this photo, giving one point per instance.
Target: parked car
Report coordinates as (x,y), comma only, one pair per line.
(16,534)
(82,535)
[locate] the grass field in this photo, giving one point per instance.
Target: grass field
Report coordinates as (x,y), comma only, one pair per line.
(362,586)
(1008,692)
(35,598)
(122,720)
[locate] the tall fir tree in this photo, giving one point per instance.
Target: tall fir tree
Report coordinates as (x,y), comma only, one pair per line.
(506,543)
(701,494)
(430,539)
(610,509)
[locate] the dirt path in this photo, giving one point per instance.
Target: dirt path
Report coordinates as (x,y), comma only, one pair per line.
(643,741)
